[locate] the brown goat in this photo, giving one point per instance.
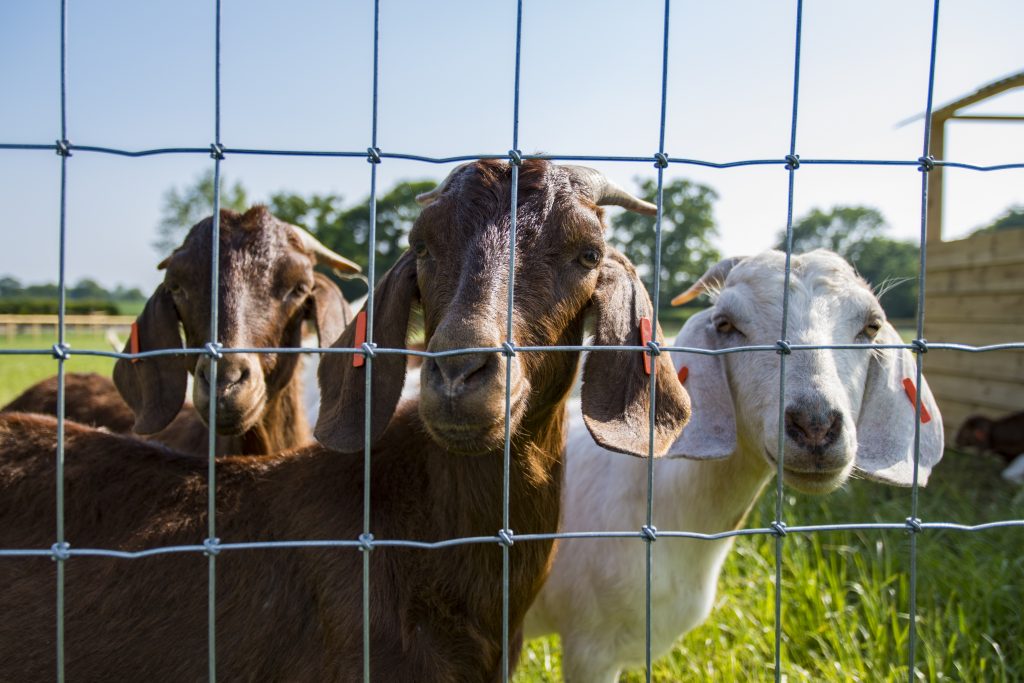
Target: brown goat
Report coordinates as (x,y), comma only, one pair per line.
(267,288)
(1004,436)
(436,471)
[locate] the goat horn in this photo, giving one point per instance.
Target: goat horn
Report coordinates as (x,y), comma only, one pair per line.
(325,256)
(713,279)
(604,191)
(426,198)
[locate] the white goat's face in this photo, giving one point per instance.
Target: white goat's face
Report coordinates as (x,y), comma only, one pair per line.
(842,409)
(828,304)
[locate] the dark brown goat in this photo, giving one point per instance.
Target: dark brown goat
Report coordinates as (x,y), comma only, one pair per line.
(1004,436)
(267,288)
(435,615)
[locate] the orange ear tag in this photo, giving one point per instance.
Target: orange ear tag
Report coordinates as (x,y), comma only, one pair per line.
(684,372)
(645,336)
(358,360)
(908,386)
(133,340)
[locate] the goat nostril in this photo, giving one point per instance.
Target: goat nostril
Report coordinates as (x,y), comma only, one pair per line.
(813,430)
(458,371)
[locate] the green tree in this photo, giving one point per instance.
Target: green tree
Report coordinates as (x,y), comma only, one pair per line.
(1011,219)
(856,234)
(347,230)
(843,229)
(687,227)
(184,208)
(9,286)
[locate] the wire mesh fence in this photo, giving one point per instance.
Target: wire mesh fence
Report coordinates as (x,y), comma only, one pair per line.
(63,551)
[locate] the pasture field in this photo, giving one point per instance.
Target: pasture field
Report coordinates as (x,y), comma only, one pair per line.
(19,372)
(845,594)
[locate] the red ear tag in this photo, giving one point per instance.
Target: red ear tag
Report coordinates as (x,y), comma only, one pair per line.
(645,336)
(908,386)
(133,340)
(358,360)
(684,372)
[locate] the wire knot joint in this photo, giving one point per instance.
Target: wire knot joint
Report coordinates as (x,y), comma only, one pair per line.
(920,345)
(653,348)
(60,351)
(505,537)
(373,155)
(365,542)
(927,163)
(778,528)
(792,162)
(507,349)
(649,533)
(217,151)
(211,547)
(63,148)
(914,525)
(60,552)
(515,157)
(213,350)
(660,160)
(369,349)
(782,348)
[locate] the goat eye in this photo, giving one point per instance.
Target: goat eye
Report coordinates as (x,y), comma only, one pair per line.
(590,258)
(872,328)
(173,287)
(420,249)
(724,326)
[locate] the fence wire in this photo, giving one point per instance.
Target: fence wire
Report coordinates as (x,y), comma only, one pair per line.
(62,551)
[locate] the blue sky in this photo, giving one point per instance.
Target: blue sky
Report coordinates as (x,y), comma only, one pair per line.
(298,75)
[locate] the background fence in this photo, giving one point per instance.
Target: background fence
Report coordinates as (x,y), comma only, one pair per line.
(62,552)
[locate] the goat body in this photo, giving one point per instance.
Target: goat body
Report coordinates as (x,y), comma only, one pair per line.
(435,615)
(1004,436)
(594,596)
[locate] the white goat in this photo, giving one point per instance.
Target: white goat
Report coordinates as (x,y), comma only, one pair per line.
(846,410)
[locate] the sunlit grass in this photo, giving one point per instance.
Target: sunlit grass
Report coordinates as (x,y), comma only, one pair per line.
(19,372)
(846,593)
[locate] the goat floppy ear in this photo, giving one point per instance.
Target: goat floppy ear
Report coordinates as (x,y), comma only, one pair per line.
(885,428)
(154,388)
(341,423)
(328,310)
(711,432)
(616,389)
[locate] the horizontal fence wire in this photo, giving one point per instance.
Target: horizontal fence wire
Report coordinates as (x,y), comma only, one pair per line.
(62,551)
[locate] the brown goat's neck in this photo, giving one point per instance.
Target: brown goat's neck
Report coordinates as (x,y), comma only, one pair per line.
(283,425)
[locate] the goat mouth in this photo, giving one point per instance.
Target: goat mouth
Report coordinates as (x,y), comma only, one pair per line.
(810,480)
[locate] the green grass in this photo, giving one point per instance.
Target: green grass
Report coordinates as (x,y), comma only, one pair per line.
(19,372)
(846,594)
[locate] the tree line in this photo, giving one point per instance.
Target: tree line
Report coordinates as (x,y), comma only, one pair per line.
(858,233)
(85,296)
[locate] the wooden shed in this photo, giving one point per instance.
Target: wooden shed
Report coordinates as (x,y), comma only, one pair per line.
(975,295)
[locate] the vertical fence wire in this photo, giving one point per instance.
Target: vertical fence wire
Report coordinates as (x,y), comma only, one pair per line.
(61,545)
(213,346)
(649,532)
(373,157)
(913,523)
(60,552)
(515,159)
(792,164)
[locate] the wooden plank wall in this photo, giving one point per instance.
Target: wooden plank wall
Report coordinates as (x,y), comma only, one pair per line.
(975,295)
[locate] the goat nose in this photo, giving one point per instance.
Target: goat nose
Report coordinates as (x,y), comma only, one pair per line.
(457,372)
(229,374)
(813,430)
